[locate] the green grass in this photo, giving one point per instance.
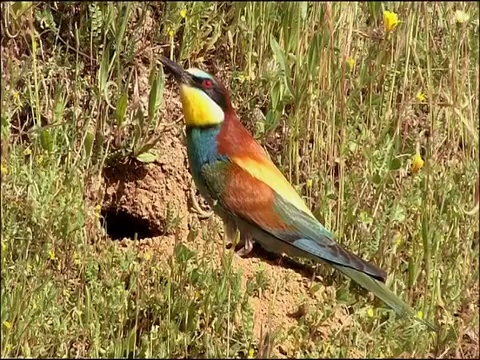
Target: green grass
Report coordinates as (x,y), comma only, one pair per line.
(344,135)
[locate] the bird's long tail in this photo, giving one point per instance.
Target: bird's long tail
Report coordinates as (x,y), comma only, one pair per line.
(380,290)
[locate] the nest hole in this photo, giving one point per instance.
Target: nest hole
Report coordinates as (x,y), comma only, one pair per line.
(120,224)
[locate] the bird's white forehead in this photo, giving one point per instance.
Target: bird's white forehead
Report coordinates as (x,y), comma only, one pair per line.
(199,73)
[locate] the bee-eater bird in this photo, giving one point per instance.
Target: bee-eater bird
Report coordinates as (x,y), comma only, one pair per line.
(245,188)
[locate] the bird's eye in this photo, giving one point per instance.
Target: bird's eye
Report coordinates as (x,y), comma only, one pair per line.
(207,83)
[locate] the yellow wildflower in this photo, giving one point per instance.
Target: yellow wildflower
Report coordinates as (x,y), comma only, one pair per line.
(370,312)
(171,32)
(4,169)
(51,254)
(183,13)
(397,238)
(147,255)
(27,151)
(98,209)
(7,324)
(76,258)
(420,315)
(241,78)
(16,97)
(390,20)
(309,183)
(461,16)
(417,163)
(420,96)
(250,353)
(350,63)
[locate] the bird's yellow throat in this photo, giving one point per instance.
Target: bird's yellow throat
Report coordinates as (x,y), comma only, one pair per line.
(198,108)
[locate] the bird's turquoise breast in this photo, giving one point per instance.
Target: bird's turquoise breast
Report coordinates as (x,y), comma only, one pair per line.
(202,149)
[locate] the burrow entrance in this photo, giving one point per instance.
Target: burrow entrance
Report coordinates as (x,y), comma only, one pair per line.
(148,200)
(120,224)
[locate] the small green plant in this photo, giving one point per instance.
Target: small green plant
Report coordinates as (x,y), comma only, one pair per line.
(262,280)
(140,142)
(172,220)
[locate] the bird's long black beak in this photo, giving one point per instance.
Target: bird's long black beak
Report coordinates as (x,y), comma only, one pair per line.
(182,76)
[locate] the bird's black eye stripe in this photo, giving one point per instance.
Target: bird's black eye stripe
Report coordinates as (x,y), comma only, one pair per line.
(199,83)
(213,92)
(198,80)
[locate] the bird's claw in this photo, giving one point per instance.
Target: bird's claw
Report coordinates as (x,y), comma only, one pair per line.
(242,241)
(202,214)
(247,246)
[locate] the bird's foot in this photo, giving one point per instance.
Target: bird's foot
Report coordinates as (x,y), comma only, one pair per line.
(202,214)
(279,261)
(247,247)
(241,241)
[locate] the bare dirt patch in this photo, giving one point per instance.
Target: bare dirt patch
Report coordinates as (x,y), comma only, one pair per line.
(153,194)
(150,198)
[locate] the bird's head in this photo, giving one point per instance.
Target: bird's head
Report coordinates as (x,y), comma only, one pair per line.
(204,99)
